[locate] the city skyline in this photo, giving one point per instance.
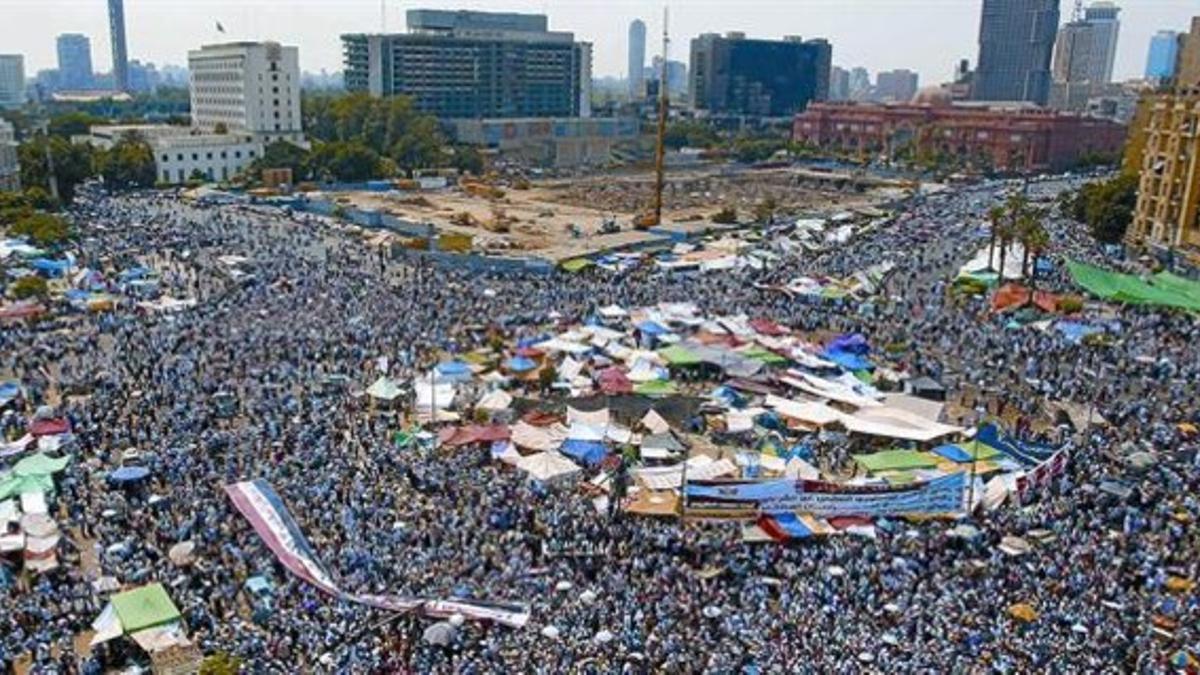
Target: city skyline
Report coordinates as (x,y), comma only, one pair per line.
(162,32)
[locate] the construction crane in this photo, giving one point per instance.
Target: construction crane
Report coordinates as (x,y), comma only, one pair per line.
(654,218)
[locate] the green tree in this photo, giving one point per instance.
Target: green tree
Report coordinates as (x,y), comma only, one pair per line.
(995,219)
(29,287)
(44,229)
(220,663)
(74,123)
(764,211)
(1107,207)
(726,216)
(467,159)
(345,161)
(128,163)
(283,155)
(689,134)
(73,163)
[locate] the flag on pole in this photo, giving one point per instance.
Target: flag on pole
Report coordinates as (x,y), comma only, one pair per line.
(220,28)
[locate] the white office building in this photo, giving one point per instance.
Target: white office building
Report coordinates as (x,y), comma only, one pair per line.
(12,81)
(10,168)
(183,153)
(248,87)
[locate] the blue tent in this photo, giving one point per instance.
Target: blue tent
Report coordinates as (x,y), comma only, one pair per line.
(953,453)
(454,370)
(53,268)
(651,328)
(9,391)
(854,343)
(587,452)
(1026,453)
(129,474)
(848,360)
(520,364)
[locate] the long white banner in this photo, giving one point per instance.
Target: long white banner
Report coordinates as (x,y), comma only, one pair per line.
(259,503)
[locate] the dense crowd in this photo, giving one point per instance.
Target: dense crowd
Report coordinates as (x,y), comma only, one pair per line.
(643,595)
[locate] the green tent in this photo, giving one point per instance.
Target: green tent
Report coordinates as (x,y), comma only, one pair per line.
(980,451)
(1178,284)
(679,356)
(896,460)
(576,264)
(656,388)
(1170,291)
(144,607)
(764,355)
(12,485)
(40,465)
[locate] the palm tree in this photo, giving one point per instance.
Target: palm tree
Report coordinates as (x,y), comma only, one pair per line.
(1006,234)
(995,215)
(1037,239)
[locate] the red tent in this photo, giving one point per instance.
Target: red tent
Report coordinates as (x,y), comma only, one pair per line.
(613,381)
(768,327)
(50,427)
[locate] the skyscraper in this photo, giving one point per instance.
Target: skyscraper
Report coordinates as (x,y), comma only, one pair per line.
(120,57)
(860,84)
(12,80)
(1102,17)
(1160,61)
(896,85)
(839,84)
(74,61)
(733,75)
(1016,41)
(637,59)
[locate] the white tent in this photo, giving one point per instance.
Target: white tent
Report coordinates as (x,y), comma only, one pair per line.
(525,435)
(495,401)
(655,423)
(612,312)
(809,412)
(547,466)
(384,389)
(595,418)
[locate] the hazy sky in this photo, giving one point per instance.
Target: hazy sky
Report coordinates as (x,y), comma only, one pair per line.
(928,36)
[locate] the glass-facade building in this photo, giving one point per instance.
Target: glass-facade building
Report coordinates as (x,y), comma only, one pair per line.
(1016,43)
(1164,50)
(733,75)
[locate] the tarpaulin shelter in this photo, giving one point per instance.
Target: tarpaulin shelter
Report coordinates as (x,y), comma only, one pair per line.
(384,389)
(891,460)
(767,327)
(656,388)
(40,464)
(129,474)
(520,364)
(1167,291)
(50,426)
(614,381)
(678,355)
(9,391)
(454,371)
(547,466)
(927,388)
(134,611)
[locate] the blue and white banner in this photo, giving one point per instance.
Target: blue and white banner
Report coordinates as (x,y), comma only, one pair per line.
(819,498)
(259,503)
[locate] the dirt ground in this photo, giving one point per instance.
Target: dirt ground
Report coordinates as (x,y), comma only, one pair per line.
(542,219)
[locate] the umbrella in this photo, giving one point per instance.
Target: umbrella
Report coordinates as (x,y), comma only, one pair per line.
(711,611)
(1024,612)
(441,634)
(1014,546)
(550,632)
(604,637)
(835,571)
(183,553)
(129,474)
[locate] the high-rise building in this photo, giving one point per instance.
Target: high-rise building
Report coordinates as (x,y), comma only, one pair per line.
(676,74)
(896,85)
(248,87)
(1083,57)
(839,84)
(143,77)
(637,59)
(12,80)
(1160,61)
(470,64)
(10,168)
(860,84)
(1016,42)
(120,56)
(733,75)
(1187,64)
(1106,27)
(74,61)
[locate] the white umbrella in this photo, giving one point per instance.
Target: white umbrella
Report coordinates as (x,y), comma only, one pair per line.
(587,597)
(711,611)
(604,637)
(550,632)
(441,634)
(183,553)
(835,571)
(563,586)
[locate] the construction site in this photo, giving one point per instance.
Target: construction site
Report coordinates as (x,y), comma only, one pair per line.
(562,219)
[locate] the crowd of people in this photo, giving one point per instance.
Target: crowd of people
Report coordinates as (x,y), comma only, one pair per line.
(314,303)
